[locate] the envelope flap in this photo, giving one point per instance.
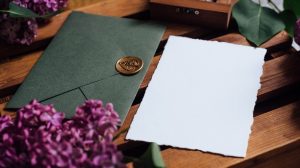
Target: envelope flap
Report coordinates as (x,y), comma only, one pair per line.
(85,50)
(122,95)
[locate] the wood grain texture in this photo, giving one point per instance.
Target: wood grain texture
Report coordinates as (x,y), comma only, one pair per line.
(73,4)
(282,72)
(118,8)
(14,71)
(279,42)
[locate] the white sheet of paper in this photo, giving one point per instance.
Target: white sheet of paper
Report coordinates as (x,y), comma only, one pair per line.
(201,96)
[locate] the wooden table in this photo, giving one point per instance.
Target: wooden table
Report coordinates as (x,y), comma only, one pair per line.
(275,138)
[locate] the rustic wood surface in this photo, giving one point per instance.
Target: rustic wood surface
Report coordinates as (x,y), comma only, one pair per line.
(275,137)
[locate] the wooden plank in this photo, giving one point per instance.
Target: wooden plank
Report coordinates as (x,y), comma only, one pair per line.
(273,133)
(277,43)
(279,74)
(283,52)
(12,72)
(73,4)
(285,156)
(118,8)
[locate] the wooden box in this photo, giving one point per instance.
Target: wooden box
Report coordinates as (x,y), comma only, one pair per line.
(215,14)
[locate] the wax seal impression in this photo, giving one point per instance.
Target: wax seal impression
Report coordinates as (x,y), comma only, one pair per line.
(129,65)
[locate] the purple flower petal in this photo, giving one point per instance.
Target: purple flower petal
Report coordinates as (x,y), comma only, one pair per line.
(40,138)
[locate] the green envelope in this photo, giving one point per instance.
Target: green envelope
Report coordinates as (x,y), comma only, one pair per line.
(79,63)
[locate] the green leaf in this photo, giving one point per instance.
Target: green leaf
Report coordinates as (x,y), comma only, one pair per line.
(151,158)
(289,19)
(18,11)
(256,23)
(293,5)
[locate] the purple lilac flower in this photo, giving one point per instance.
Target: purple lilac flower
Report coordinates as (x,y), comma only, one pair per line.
(21,30)
(17,30)
(8,154)
(96,118)
(40,138)
(36,115)
(42,7)
(106,154)
(297,32)
(5,123)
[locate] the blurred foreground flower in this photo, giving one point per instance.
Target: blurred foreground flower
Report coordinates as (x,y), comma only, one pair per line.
(297,32)
(42,7)
(41,137)
(18,30)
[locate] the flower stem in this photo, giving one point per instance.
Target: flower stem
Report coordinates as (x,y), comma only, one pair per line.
(274,5)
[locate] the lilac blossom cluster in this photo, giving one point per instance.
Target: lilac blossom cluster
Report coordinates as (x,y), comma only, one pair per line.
(42,7)
(24,30)
(41,137)
(297,32)
(17,30)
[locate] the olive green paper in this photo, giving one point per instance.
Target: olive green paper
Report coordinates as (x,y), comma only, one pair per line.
(79,63)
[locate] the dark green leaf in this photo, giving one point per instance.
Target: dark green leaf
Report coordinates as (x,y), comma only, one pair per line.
(289,19)
(18,11)
(256,23)
(293,5)
(151,158)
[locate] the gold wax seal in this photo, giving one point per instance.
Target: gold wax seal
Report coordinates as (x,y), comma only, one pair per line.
(129,65)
